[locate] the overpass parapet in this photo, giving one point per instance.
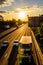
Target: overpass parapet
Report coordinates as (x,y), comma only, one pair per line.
(37,49)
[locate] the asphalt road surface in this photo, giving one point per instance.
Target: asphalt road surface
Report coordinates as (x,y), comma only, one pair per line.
(16,35)
(10,38)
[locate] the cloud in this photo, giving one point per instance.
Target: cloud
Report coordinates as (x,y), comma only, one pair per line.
(2,11)
(6,2)
(31,10)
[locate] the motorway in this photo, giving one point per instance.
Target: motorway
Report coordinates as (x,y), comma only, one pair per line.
(16,35)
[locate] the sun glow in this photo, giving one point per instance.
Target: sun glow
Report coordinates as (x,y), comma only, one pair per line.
(21,15)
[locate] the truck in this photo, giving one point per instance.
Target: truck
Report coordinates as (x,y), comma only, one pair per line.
(25,49)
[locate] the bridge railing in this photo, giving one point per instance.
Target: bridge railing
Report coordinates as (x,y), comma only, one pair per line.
(39,59)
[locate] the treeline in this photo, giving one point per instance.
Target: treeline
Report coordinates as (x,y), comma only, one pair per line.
(38,32)
(11,23)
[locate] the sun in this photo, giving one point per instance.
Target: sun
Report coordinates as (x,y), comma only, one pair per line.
(21,14)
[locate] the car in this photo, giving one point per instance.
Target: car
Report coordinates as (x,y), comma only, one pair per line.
(16,42)
(4,46)
(7,26)
(13,54)
(5,43)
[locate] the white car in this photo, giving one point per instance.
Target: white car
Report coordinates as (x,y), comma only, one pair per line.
(15,42)
(4,46)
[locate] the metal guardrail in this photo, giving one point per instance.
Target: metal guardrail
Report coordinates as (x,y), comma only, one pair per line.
(37,50)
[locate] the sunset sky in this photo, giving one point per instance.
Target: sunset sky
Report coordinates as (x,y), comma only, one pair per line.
(12,8)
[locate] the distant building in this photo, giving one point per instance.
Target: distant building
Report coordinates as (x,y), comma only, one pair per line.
(34,21)
(41,18)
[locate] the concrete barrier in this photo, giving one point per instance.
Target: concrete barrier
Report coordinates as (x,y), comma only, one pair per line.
(37,50)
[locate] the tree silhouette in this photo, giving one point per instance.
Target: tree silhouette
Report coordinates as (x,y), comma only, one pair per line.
(1,18)
(19,22)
